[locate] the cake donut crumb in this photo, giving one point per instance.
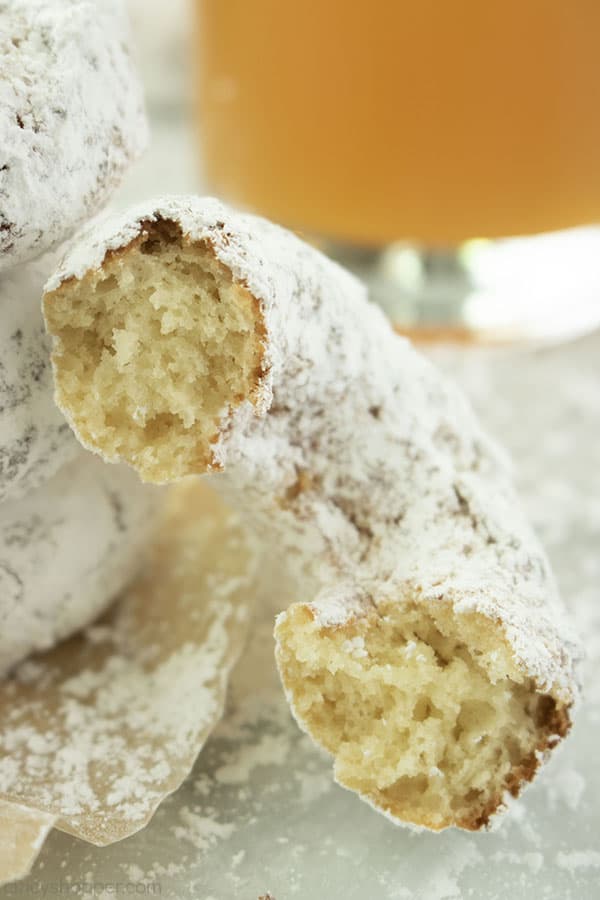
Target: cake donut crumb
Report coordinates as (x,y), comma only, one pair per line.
(429,652)
(424,708)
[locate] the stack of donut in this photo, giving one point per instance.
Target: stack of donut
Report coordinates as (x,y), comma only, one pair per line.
(71,122)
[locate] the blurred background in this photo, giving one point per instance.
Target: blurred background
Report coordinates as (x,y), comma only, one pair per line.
(449,153)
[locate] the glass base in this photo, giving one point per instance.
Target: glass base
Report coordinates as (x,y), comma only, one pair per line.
(545,287)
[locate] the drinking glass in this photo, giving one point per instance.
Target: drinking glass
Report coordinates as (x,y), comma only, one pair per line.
(405,136)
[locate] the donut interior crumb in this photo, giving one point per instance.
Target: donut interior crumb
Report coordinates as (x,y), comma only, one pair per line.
(155,348)
(425,712)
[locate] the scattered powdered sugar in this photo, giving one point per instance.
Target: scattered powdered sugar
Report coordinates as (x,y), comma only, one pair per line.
(270,750)
(533,860)
(238,858)
(113,704)
(566,787)
(135,872)
(313,785)
(440,878)
(522,821)
(444,881)
(575,860)
(200,831)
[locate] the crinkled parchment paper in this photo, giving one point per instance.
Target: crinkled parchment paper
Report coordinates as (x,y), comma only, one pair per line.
(95,733)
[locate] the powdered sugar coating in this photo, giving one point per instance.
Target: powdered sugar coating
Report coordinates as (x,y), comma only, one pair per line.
(365,461)
(71,118)
(66,549)
(35,440)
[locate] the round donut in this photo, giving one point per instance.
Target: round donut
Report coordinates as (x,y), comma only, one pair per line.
(71,118)
(35,440)
(66,550)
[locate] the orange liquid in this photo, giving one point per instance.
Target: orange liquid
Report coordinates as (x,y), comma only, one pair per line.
(433,121)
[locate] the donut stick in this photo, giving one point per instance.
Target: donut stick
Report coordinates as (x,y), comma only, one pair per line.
(428,652)
(35,440)
(66,550)
(71,118)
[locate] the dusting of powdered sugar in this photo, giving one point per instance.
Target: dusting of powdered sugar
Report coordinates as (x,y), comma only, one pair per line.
(575,860)
(566,788)
(35,439)
(71,118)
(269,750)
(201,831)
(66,549)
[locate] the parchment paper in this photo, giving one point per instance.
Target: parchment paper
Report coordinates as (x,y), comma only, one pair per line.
(95,733)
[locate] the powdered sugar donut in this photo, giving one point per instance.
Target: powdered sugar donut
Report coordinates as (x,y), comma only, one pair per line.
(66,549)
(432,657)
(35,440)
(71,118)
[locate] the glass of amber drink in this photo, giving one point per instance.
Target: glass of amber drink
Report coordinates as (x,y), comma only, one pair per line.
(397,131)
